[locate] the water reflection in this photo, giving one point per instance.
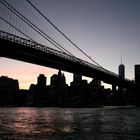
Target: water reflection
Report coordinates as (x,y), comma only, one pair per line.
(82,124)
(39,121)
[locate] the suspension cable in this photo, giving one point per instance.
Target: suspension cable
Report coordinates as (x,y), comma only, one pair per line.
(28,23)
(34,27)
(16,29)
(61,32)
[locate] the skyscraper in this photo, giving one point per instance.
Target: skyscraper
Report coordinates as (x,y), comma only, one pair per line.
(41,80)
(58,79)
(121,70)
(77,77)
(61,78)
(137,74)
(9,91)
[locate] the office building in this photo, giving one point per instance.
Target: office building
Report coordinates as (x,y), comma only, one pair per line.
(137,74)
(77,78)
(41,80)
(121,70)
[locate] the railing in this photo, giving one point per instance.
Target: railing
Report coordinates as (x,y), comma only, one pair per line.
(38,46)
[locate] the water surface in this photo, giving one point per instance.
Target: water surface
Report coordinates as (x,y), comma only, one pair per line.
(108,123)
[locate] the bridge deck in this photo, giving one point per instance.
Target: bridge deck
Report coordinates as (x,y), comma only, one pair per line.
(19,48)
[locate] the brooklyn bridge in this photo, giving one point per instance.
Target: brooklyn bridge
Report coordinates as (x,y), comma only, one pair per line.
(23,40)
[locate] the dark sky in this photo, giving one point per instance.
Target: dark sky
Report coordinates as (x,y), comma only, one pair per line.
(104,29)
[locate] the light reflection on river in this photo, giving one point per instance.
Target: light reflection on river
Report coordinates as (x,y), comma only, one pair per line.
(109,123)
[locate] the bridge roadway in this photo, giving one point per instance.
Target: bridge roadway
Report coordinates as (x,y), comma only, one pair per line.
(15,47)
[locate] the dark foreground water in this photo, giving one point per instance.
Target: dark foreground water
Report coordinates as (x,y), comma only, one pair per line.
(109,123)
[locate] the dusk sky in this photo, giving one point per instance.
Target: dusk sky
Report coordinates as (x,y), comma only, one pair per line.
(105,29)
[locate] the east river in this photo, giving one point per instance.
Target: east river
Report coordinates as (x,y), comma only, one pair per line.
(107,123)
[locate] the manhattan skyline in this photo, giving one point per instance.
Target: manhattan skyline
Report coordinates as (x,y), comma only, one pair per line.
(105,29)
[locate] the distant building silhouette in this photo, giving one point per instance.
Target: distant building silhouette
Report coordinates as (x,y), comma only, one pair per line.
(61,78)
(121,70)
(96,83)
(118,95)
(137,74)
(137,81)
(58,79)
(80,93)
(58,88)
(54,80)
(9,91)
(77,77)
(38,92)
(77,80)
(41,80)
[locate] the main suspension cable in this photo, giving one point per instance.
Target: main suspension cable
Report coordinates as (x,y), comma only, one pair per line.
(16,29)
(34,27)
(61,32)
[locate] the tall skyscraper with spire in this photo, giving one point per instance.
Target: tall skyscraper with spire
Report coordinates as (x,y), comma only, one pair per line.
(121,70)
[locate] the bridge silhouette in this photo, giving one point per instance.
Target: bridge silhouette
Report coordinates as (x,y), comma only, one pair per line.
(28,50)
(22,49)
